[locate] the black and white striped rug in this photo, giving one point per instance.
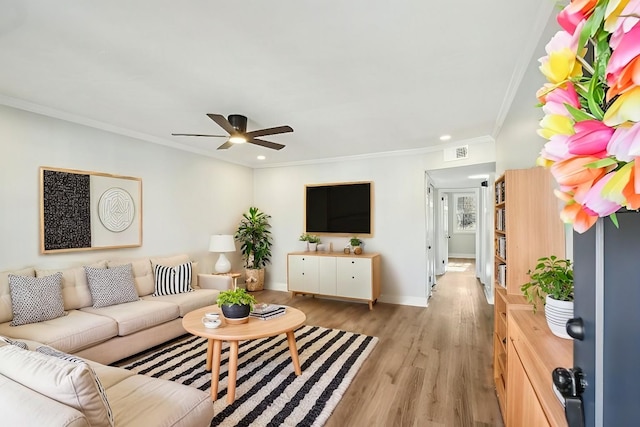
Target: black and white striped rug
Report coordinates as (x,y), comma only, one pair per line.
(268,392)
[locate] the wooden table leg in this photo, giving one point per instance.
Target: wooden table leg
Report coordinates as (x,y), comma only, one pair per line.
(209,354)
(293,349)
(233,371)
(216,349)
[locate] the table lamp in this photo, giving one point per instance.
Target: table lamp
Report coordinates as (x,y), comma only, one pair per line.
(222,243)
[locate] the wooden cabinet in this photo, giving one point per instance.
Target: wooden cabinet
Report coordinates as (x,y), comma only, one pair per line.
(527,227)
(533,354)
(335,274)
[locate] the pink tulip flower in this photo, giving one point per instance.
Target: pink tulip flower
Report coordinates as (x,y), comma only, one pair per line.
(624,144)
(596,202)
(574,13)
(556,149)
(591,138)
(556,100)
(622,69)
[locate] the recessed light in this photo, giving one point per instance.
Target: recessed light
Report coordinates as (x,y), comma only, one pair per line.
(261,157)
(445,137)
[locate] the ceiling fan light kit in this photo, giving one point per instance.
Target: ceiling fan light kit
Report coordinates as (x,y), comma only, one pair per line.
(236,126)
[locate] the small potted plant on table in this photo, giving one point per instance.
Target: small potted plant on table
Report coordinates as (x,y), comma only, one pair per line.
(552,284)
(236,304)
(313,242)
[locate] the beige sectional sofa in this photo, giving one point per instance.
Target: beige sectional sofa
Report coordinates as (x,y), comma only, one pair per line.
(103,335)
(39,390)
(108,334)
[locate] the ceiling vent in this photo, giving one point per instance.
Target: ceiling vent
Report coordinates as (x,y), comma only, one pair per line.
(456,153)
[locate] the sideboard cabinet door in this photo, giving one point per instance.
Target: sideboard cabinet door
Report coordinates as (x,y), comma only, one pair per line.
(354,277)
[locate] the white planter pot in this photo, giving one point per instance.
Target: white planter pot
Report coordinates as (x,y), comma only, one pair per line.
(557,313)
(313,247)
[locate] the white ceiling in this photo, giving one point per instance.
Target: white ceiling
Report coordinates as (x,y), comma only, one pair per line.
(351,77)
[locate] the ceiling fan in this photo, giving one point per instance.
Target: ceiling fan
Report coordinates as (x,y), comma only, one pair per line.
(236,127)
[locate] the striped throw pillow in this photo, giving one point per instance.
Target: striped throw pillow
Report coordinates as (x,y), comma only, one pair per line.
(172,280)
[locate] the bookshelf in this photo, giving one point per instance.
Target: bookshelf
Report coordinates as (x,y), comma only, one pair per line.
(527,226)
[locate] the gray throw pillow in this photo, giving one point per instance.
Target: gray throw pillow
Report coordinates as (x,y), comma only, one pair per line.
(110,286)
(9,341)
(36,299)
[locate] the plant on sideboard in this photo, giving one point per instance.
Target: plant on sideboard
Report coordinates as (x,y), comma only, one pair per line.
(552,284)
(255,245)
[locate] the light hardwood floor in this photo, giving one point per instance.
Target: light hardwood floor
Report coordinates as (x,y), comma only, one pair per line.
(431,367)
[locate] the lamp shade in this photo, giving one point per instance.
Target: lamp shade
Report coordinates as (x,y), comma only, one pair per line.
(222,243)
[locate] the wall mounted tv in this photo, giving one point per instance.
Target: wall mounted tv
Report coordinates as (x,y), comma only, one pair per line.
(339,208)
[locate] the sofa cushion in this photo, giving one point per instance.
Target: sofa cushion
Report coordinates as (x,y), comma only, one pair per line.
(172,280)
(98,385)
(6,310)
(70,383)
(111,286)
(189,301)
(138,315)
(75,288)
(35,299)
(142,274)
(21,406)
(76,331)
(158,402)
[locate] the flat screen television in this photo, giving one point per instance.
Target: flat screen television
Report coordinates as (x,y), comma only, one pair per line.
(339,208)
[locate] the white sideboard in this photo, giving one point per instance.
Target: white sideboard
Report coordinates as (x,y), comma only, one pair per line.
(335,274)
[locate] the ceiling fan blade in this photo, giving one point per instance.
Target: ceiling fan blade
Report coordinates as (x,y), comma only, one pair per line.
(197,134)
(222,122)
(225,145)
(270,131)
(264,143)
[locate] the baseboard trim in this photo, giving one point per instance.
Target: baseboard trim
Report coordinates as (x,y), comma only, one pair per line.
(455,255)
(390,299)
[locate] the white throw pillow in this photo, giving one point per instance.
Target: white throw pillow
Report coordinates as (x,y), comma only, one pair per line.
(9,341)
(36,299)
(111,286)
(70,383)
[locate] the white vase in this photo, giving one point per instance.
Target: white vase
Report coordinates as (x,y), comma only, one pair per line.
(557,313)
(313,247)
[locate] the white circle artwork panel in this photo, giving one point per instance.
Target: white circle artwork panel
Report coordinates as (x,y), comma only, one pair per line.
(116,209)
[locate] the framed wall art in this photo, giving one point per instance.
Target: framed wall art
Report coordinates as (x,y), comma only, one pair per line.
(82,210)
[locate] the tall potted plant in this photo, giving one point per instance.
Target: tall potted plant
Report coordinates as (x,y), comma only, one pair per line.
(255,245)
(552,284)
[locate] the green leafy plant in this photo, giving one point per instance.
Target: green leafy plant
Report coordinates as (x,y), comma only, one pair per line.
(552,276)
(354,241)
(237,296)
(304,237)
(312,238)
(255,238)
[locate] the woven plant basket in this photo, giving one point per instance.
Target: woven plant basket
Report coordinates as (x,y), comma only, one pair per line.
(254,279)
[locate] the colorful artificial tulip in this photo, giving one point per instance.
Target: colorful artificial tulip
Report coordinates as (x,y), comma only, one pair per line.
(574,13)
(591,138)
(558,99)
(554,124)
(625,108)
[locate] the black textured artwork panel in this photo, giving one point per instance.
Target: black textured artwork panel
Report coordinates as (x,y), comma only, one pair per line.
(67,210)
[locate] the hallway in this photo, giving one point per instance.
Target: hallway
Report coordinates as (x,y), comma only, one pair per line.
(432,366)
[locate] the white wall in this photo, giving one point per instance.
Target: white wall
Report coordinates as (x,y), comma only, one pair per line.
(186,197)
(399,213)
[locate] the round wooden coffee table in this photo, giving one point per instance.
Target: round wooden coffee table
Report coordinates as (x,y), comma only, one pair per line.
(254,329)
